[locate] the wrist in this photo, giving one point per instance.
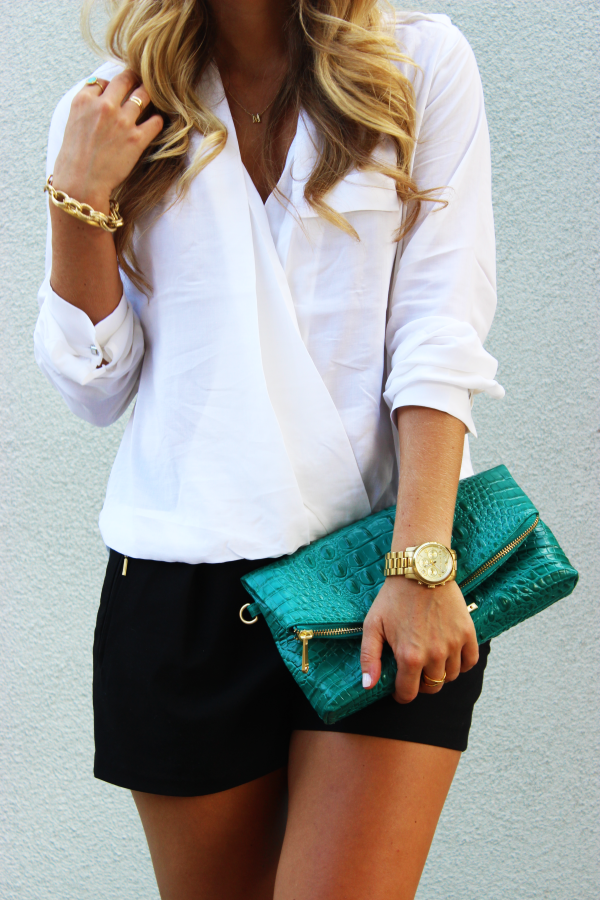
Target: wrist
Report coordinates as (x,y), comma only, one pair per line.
(83,191)
(403,539)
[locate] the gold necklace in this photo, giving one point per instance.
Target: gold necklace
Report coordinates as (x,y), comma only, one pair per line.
(254,116)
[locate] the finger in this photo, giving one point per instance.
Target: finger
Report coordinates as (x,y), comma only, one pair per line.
(433,672)
(453,664)
(470,653)
(120,86)
(370,652)
(95,85)
(150,129)
(408,677)
(137,102)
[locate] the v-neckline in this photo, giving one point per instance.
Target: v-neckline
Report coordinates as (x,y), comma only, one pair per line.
(288,156)
(288,159)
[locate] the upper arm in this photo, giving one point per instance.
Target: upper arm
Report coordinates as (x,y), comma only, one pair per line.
(443,294)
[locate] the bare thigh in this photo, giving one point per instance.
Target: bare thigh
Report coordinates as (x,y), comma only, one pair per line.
(362,815)
(221,846)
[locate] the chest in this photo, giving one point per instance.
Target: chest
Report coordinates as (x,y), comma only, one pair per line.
(255,154)
(213,255)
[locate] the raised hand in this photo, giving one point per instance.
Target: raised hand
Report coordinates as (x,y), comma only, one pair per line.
(102,140)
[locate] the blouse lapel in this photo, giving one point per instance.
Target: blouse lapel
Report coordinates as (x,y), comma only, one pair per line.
(316,443)
(315,438)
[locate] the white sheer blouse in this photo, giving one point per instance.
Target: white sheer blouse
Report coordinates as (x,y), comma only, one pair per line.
(267,360)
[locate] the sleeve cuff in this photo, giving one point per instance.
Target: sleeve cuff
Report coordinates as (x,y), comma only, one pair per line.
(69,344)
(448,398)
(87,340)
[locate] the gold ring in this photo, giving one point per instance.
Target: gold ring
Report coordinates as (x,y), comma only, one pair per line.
(137,100)
(92,80)
(432,682)
(247,621)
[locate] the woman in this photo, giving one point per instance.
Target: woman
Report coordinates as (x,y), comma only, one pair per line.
(298,297)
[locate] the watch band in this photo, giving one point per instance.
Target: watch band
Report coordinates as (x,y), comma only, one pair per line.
(398,561)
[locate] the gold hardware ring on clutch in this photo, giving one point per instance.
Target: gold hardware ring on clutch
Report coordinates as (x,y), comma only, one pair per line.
(247,621)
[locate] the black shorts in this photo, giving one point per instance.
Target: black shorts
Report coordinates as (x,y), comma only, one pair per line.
(189,701)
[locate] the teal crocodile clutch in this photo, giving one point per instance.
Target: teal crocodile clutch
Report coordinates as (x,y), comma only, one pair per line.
(509,567)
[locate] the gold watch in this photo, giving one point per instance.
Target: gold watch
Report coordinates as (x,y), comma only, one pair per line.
(431,564)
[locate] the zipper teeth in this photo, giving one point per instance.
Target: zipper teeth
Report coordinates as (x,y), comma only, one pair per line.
(329,631)
(499,555)
(356,629)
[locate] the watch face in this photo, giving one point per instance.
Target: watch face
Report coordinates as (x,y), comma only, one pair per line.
(433,563)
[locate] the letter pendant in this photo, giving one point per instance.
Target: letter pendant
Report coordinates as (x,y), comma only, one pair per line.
(256,118)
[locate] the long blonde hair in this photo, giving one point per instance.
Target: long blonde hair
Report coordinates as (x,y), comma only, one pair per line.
(342,73)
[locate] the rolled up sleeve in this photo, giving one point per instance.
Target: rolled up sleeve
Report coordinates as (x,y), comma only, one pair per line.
(443,294)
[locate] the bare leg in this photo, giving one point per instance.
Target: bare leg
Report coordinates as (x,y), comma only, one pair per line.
(362,815)
(221,846)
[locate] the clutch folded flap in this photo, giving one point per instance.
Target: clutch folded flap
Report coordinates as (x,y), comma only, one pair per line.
(333,581)
(329,583)
(536,576)
(491,518)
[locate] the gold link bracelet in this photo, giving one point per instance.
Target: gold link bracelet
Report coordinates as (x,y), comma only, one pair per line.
(83,211)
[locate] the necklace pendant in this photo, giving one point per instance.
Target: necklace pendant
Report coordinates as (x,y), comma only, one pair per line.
(256,118)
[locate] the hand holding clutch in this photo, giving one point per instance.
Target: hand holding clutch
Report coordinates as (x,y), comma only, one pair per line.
(431,634)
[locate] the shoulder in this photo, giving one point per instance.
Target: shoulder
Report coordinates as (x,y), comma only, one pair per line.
(426,38)
(442,62)
(60,115)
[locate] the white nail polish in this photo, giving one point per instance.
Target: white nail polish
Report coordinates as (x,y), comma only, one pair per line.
(366,680)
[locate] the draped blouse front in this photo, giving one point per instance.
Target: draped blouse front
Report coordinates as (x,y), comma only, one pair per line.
(274,346)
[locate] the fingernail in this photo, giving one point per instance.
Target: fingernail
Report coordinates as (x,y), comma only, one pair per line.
(366,680)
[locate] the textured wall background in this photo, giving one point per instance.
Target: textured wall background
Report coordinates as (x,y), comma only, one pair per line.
(521,819)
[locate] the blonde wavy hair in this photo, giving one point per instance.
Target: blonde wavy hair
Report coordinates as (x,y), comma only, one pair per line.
(342,73)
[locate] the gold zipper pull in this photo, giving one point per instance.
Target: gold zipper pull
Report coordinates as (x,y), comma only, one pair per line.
(124,570)
(305,637)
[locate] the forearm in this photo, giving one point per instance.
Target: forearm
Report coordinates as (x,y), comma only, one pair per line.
(429,631)
(431,447)
(84,261)
(102,143)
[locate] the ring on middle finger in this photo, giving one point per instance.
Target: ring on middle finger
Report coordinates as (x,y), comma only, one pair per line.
(432,682)
(137,100)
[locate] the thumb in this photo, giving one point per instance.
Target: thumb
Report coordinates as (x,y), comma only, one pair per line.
(370,652)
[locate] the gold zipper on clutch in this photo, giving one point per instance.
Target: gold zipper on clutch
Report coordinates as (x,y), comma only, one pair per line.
(499,555)
(305,635)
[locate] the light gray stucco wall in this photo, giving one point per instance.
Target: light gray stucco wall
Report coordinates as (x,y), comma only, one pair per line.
(521,820)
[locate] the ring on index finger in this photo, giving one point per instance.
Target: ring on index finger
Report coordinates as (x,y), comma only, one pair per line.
(92,80)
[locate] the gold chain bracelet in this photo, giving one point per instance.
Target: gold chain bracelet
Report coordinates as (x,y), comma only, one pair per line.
(83,211)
